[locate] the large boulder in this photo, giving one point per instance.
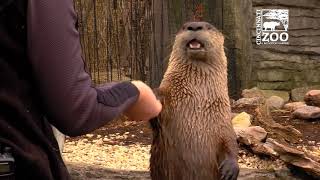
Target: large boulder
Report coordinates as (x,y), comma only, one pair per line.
(264,149)
(250,135)
(242,120)
(307,112)
(251,93)
(298,94)
(296,158)
(294,106)
(255,101)
(283,94)
(265,174)
(274,102)
(256,92)
(312,98)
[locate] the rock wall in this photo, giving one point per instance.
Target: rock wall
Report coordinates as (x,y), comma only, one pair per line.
(285,67)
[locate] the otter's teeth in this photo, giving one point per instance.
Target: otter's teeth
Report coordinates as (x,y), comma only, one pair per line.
(195,45)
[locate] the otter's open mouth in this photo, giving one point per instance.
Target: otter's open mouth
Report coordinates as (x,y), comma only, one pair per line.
(195,44)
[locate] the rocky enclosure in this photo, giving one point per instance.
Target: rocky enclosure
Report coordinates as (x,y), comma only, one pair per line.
(274,144)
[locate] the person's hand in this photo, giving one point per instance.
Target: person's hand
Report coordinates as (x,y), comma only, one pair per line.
(147,105)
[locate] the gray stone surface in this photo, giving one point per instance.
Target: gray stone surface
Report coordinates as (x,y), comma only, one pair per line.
(298,94)
(294,106)
(256,92)
(297,158)
(242,120)
(256,174)
(285,67)
(95,173)
(274,75)
(250,135)
(307,112)
(274,102)
(251,93)
(283,94)
(312,98)
(255,101)
(286,85)
(296,3)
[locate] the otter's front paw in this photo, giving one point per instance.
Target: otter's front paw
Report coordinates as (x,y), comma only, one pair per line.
(229,169)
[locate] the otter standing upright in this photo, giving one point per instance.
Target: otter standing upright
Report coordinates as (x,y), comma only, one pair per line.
(193,137)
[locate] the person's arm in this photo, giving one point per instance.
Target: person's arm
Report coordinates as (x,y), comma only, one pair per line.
(73,105)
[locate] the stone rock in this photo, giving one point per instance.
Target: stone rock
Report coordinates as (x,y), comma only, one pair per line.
(266,174)
(280,86)
(274,75)
(89,135)
(250,135)
(297,3)
(256,92)
(99,142)
(298,94)
(283,94)
(313,75)
(292,49)
(264,149)
(296,158)
(256,101)
(274,102)
(315,41)
(233,115)
(242,120)
(307,112)
(252,93)
(312,98)
(294,106)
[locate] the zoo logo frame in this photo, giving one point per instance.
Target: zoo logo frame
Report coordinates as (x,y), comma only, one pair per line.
(268,26)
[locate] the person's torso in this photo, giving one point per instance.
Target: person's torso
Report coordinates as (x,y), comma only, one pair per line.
(22,123)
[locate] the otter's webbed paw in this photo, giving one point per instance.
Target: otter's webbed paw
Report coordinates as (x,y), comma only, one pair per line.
(229,169)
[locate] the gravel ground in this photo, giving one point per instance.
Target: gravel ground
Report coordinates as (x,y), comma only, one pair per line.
(121,151)
(130,157)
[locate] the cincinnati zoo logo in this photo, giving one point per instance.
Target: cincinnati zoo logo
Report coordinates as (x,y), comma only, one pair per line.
(272,26)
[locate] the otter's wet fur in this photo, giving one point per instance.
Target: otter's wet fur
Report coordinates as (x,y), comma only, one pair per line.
(193,137)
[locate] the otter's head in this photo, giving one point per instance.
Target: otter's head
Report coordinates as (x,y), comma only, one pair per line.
(200,43)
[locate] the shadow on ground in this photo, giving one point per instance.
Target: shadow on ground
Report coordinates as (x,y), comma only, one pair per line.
(123,132)
(84,172)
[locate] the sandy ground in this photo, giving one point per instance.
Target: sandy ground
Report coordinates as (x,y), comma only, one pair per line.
(123,153)
(120,150)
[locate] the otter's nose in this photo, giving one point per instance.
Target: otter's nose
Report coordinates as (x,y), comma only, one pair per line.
(197,26)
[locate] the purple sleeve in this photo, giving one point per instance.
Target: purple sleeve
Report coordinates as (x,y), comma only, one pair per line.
(73,105)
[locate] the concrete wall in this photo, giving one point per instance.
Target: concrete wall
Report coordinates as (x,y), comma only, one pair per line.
(284,67)
(275,67)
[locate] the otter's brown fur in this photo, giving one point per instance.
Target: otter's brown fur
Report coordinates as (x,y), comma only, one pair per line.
(193,135)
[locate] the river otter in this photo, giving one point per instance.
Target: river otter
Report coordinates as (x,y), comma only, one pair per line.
(193,137)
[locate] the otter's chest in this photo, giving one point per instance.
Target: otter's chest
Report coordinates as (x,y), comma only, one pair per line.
(194,108)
